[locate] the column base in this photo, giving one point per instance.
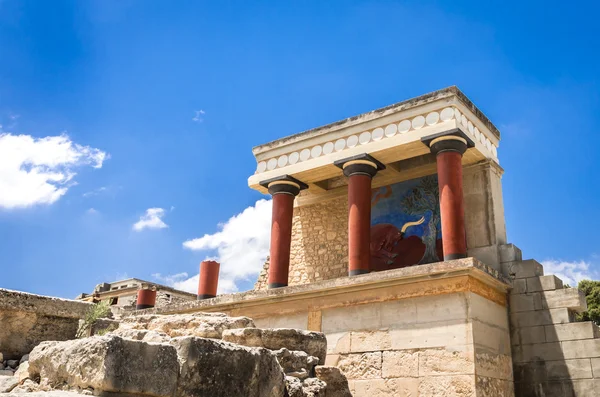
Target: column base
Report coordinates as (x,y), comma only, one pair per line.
(277,285)
(450,257)
(141,307)
(357,272)
(205,296)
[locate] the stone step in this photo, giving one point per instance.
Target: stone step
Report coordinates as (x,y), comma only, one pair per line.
(509,253)
(523,269)
(543,283)
(572,331)
(553,351)
(541,317)
(570,298)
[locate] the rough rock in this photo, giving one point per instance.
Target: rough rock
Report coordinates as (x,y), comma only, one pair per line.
(23,359)
(313,343)
(6,372)
(337,384)
(27,386)
(12,363)
(53,393)
(220,369)
(296,361)
(1,357)
(141,334)
(204,325)
(107,363)
(23,372)
(294,386)
(8,383)
(314,387)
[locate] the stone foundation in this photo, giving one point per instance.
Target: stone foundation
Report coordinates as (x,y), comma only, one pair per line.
(28,319)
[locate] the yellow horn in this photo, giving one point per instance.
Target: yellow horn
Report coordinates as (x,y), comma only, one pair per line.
(409,224)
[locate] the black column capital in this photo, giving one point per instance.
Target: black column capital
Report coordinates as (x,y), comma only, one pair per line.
(449,141)
(284,184)
(361,164)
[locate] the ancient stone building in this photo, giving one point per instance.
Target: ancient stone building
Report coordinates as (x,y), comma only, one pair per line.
(388,235)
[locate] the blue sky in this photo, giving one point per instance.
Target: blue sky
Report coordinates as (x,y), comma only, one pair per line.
(116,110)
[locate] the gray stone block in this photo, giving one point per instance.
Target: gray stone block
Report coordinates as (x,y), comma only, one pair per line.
(570,298)
(519,286)
(572,331)
(585,348)
(540,317)
(528,335)
(509,253)
(525,302)
(596,367)
(522,269)
(541,352)
(544,283)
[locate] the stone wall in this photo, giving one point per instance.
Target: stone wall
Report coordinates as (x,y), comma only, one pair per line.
(319,249)
(552,355)
(28,319)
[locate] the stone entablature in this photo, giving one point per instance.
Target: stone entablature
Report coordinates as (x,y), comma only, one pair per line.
(390,134)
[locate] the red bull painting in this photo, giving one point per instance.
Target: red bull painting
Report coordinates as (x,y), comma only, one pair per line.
(405,224)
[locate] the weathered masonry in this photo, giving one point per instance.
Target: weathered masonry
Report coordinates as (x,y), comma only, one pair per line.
(388,235)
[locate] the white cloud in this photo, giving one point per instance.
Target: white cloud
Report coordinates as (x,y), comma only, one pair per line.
(92,211)
(94,192)
(569,272)
(241,246)
(40,170)
(152,219)
(198,118)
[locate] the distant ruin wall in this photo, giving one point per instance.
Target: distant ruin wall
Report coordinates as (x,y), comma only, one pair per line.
(28,319)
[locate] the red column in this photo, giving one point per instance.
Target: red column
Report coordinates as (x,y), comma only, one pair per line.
(281,239)
(283,189)
(359,224)
(146,299)
(449,151)
(209,279)
(360,170)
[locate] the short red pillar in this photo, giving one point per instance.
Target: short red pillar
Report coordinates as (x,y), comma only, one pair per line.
(146,298)
(449,150)
(209,279)
(359,170)
(284,190)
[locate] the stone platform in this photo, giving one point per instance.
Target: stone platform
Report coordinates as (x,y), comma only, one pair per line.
(437,329)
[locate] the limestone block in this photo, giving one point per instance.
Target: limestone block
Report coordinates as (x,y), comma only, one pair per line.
(523,269)
(509,253)
(8,383)
(582,387)
(338,342)
(438,308)
(337,383)
(570,298)
(492,387)
(361,365)
(398,313)
(486,311)
(368,341)
(525,302)
(586,348)
(355,318)
(447,386)
(332,359)
(459,360)
(571,331)
(539,352)
(519,286)
(568,369)
(400,364)
(107,363)
(439,334)
(397,387)
(528,335)
(491,365)
(491,338)
(543,283)
(295,361)
(540,317)
(219,369)
(596,367)
(313,343)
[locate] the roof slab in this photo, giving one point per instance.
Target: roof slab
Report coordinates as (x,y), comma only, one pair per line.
(393,135)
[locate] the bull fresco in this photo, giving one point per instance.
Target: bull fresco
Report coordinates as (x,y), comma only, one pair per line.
(405,224)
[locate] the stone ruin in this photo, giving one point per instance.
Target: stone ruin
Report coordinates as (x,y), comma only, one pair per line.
(199,354)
